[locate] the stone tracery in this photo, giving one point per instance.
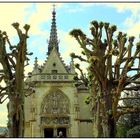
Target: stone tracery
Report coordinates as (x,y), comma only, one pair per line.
(55,103)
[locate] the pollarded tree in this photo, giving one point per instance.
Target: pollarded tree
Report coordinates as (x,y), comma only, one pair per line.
(12,73)
(111,62)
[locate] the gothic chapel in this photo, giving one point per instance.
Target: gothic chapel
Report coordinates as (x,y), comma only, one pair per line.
(57,104)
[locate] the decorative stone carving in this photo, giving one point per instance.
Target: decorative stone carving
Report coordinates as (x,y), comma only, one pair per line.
(55,120)
(55,107)
(55,103)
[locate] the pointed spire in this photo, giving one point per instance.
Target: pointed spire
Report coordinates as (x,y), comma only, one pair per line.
(36,63)
(53,41)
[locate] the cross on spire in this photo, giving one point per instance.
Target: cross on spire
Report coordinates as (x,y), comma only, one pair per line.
(53,7)
(53,41)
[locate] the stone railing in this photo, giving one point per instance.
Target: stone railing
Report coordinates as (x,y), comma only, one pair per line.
(52,77)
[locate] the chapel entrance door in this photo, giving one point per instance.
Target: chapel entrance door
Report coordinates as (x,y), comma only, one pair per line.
(63,130)
(48,132)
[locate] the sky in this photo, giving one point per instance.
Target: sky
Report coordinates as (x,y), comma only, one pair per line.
(68,16)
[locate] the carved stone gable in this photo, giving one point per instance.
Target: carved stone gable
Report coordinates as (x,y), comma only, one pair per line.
(54,63)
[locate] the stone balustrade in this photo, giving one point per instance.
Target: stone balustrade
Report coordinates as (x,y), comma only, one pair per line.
(52,77)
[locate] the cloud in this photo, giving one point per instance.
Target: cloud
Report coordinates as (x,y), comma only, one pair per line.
(30,13)
(87,5)
(28,69)
(134,30)
(73,10)
(132,22)
(122,7)
(79,7)
(69,45)
(12,12)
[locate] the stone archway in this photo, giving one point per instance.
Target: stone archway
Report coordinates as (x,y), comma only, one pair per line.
(55,112)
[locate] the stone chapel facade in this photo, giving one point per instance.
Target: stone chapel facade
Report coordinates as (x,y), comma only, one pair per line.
(57,104)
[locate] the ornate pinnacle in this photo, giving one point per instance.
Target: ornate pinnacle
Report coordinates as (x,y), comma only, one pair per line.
(36,63)
(53,41)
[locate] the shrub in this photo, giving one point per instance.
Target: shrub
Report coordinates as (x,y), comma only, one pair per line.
(134,132)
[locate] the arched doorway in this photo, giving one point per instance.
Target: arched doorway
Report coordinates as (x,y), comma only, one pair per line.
(55,114)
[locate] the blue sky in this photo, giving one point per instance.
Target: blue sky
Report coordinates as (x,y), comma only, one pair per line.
(68,16)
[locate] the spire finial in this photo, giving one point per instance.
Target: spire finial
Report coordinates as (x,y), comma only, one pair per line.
(53,41)
(53,7)
(53,12)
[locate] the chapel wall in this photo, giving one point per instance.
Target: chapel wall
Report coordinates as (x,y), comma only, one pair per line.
(85,115)
(42,90)
(86,129)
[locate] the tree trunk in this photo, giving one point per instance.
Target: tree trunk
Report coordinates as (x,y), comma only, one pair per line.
(16,101)
(111,126)
(97,127)
(16,118)
(108,120)
(96,109)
